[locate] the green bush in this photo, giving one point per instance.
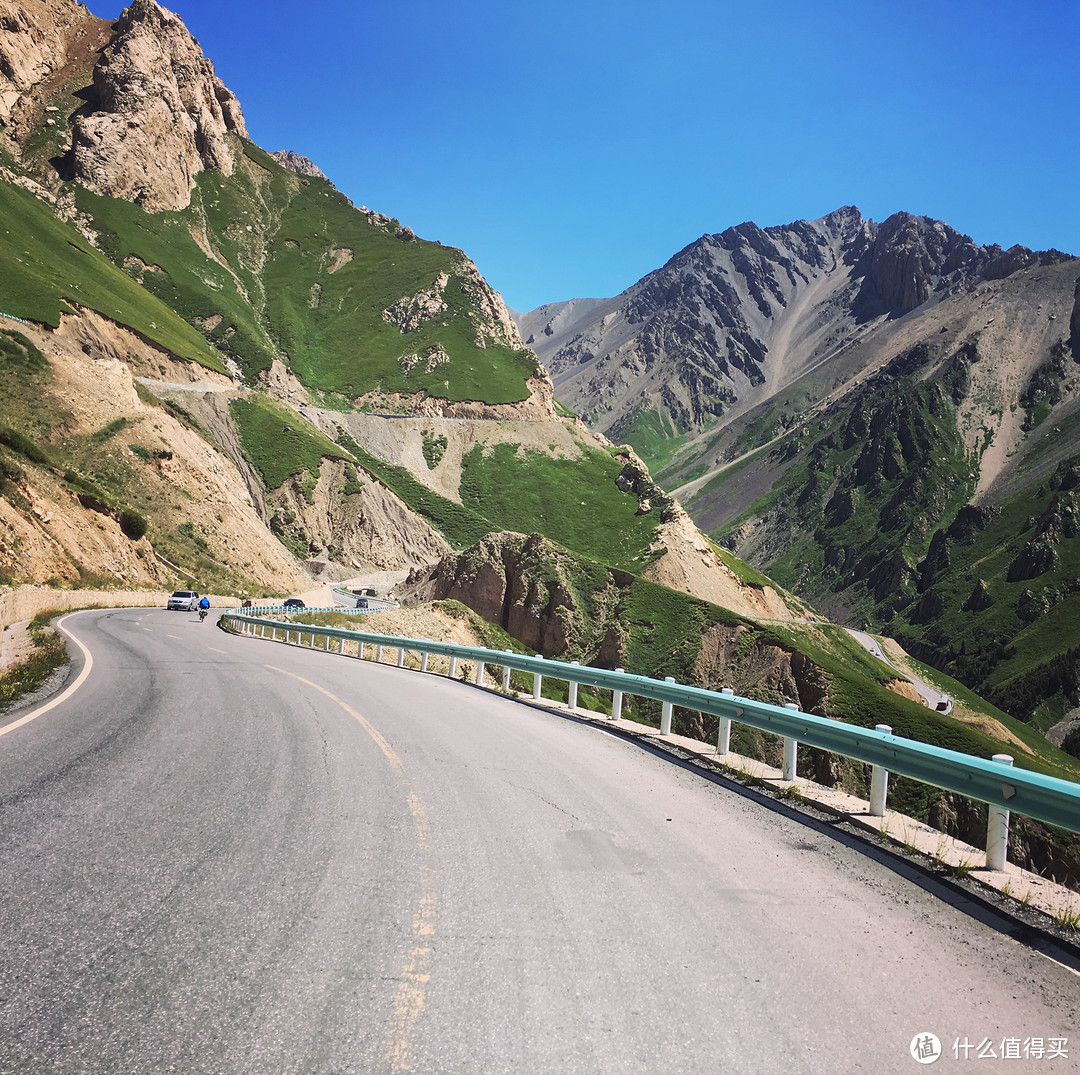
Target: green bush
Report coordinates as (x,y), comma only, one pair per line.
(133,524)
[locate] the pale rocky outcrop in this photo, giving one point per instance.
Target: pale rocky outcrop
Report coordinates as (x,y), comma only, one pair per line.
(160,115)
(410,312)
(94,363)
(369,527)
(297,163)
(37,38)
(691,565)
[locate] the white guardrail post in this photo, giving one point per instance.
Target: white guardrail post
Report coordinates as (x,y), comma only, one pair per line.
(791,749)
(480,669)
(616,701)
(723,731)
(453,667)
(571,694)
(997,826)
(665,713)
(506,674)
(879,781)
(538,683)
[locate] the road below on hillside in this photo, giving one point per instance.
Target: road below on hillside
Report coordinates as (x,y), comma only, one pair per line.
(931,696)
(226,855)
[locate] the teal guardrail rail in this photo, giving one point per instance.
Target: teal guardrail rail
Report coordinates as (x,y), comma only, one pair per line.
(1035,795)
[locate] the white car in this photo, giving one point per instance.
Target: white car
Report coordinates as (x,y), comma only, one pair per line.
(183,601)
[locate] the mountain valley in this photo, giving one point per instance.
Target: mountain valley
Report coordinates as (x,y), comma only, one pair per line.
(216,370)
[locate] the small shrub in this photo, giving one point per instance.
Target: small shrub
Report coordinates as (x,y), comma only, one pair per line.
(133,524)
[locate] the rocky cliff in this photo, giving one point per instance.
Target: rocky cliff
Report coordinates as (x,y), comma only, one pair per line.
(157,115)
(297,163)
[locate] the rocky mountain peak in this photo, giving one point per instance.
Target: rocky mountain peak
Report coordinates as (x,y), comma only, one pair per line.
(158,114)
(297,163)
(911,253)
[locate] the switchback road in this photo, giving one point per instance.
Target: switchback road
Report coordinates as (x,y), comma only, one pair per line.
(224,855)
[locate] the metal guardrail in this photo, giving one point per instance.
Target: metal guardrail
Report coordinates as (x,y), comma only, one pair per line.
(375,604)
(996,782)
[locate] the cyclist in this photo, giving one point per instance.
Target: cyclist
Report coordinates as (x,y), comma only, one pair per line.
(204,607)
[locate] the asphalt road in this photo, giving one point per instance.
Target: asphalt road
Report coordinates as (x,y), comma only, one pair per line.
(224,855)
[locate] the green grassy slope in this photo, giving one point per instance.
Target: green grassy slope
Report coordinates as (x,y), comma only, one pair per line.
(331,323)
(265,264)
(48,264)
(575,502)
(867,517)
(278,442)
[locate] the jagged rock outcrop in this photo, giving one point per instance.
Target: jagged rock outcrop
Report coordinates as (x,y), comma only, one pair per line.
(37,39)
(546,598)
(158,115)
(980,599)
(911,254)
(350,520)
(297,163)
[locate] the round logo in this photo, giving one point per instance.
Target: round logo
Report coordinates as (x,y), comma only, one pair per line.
(925,1048)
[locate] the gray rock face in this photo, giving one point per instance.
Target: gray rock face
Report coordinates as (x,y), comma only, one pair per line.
(159,115)
(297,163)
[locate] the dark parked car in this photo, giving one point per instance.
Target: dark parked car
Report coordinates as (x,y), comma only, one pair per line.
(293,602)
(361,602)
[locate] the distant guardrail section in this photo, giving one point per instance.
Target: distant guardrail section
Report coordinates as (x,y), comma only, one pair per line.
(995,781)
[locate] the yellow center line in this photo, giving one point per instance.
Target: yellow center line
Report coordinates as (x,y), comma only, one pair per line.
(412,987)
(213,650)
(177,637)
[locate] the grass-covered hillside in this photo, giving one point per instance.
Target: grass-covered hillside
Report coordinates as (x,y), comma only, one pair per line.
(263,265)
(48,266)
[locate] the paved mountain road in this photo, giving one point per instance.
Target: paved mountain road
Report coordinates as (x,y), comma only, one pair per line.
(223,855)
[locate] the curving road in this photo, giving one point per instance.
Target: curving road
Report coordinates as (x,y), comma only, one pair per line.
(931,696)
(224,855)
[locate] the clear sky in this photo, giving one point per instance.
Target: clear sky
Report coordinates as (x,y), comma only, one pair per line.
(569,147)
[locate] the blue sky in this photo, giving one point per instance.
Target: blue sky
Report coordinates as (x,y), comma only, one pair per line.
(571,147)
